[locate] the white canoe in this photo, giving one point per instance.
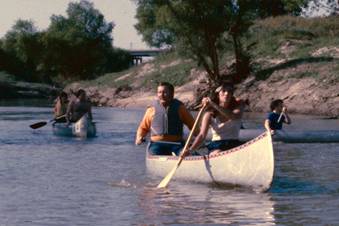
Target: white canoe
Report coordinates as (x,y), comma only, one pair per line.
(296,136)
(251,164)
(82,128)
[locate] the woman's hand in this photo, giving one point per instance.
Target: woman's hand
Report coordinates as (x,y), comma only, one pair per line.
(205,101)
(186,153)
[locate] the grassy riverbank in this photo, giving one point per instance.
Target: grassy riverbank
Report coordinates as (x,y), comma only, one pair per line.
(292,58)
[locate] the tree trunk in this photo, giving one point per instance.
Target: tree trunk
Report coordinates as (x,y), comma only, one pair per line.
(242,60)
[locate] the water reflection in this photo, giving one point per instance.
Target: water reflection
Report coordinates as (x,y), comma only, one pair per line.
(201,204)
(49,180)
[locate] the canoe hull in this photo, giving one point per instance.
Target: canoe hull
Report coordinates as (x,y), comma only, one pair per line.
(297,136)
(251,164)
(82,128)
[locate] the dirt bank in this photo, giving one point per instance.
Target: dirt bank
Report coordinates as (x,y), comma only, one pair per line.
(308,85)
(302,95)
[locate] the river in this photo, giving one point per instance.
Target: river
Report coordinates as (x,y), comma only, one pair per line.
(47,180)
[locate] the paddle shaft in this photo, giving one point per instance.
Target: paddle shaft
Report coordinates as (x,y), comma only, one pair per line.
(43,123)
(169,176)
(280,116)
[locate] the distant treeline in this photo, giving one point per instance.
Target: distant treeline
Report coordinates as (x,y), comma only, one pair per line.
(75,46)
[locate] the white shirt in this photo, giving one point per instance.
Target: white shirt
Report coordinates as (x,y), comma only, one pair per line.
(228,130)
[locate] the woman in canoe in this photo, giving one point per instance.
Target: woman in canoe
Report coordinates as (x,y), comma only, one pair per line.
(60,107)
(79,107)
(224,118)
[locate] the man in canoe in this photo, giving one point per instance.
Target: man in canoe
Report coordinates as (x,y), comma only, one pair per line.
(224,117)
(277,116)
(164,119)
(60,107)
(79,107)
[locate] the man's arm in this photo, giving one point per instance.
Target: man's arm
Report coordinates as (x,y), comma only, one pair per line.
(187,118)
(144,126)
(287,117)
(69,111)
(57,109)
(90,116)
(267,124)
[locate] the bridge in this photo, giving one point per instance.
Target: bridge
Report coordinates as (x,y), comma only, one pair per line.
(138,54)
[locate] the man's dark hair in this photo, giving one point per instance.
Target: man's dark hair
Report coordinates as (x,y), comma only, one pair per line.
(63,94)
(275,103)
(169,86)
(80,91)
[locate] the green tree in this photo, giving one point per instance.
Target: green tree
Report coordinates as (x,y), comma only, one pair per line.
(77,45)
(21,44)
(267,8)
(198,27)
(203,29)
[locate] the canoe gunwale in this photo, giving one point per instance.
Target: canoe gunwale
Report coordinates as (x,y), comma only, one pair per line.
(70,130)
(250,164)
(211,156)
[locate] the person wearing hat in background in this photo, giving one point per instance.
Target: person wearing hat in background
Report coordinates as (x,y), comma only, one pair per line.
(224,117)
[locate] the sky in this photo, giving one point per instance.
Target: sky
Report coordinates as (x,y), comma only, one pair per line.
(121,12)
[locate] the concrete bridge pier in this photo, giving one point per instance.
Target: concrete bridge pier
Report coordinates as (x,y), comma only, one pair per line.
(136,60)
(138,55)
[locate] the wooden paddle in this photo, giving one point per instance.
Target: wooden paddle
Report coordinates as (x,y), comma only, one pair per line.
(169,176)
(41,124)
(281,114)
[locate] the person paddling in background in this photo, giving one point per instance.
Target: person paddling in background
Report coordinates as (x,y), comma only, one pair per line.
(224,117)
(277,116)
(60,107)
(79,107)
(164,119)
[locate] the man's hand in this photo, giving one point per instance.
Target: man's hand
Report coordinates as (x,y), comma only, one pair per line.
(284,109)
(139,140)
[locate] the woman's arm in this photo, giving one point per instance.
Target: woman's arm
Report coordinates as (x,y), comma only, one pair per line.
(229,114)
(203,131)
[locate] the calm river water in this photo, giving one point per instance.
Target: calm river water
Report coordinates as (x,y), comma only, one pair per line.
(48,180)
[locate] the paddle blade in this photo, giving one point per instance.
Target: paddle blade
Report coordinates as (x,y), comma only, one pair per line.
(168,177)
(38,125)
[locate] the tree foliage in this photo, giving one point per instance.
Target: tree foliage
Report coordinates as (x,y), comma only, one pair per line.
(267,8)
(21,48)
(203,29)
(75,46)
(78,43)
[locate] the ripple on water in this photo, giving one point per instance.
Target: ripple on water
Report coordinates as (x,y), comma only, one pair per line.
(49,180)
